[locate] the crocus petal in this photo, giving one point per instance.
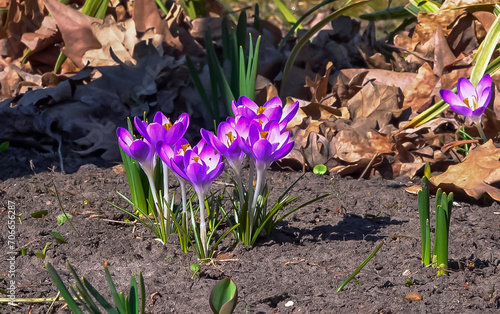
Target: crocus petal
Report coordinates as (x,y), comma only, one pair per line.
(462,110)
(465,88)
(283,150)
(484,98)
(248,103)
(262,151)
(160,118)
(140,150)
(273,102)
(451,98)
(141,127)
(290,111)
(483,84)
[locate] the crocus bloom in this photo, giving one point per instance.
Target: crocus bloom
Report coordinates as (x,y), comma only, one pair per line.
(469,101)
(139,149)
(265,144)
(161,129)
(226,143)
(272,110)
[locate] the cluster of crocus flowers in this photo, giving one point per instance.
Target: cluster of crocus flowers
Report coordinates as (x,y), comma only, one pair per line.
(143,150)
(258,132)
(470,101)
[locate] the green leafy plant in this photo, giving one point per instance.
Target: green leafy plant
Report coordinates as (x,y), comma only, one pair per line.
(40,214)
(320,169)
(4,146)
(249,230)
(195,268)
(84,296)
(224,297)
(444,204)
(58,237)
(43,254)
(62,218)
(243,68)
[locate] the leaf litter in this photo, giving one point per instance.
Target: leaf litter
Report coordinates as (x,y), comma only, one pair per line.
(356,93)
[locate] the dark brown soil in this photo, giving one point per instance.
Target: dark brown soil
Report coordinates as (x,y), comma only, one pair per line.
(308,256)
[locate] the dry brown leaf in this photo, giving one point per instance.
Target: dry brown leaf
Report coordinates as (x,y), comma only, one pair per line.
(146,16)
(75,29)
(421,89)
(449,4)
(118,37)
(378,103)
(319,86)
(353,146)
(475,175)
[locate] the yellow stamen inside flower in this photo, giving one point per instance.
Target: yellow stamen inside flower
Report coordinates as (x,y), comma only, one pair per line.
(261,110)
(230,138)
(263,134)
(185,147)
(196,158)
(167,125)
(474,103)
(260,121)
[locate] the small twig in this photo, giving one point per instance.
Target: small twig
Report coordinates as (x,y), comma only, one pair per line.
(296,262)
(368,166)
(449,146)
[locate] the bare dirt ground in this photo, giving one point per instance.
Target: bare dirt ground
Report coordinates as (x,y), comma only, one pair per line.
(304,261)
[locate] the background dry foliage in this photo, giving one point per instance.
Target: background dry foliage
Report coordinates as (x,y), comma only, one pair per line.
(356,92)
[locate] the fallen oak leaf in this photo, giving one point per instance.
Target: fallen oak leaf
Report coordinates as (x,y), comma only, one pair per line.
(75,29)
(475,176)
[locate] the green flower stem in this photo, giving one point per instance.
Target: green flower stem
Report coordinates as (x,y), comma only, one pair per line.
(165,183)
(481,132)
(251,192)
(258,190)
(159,214)
(239,182)
(184,221)
(203,225)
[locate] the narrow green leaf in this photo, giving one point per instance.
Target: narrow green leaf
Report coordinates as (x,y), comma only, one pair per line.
(485,51)
(423,211)
(287,14)
(297,24)
(119,299)
(102,301)
(392,13)
(360,267)
(62,289)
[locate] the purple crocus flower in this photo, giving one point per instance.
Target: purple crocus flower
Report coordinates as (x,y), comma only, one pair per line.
(272,110)
(469,100)
(139,149)
(226,143)
(265,144)
(161,129)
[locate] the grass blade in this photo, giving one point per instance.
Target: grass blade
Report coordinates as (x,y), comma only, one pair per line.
(360,267)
